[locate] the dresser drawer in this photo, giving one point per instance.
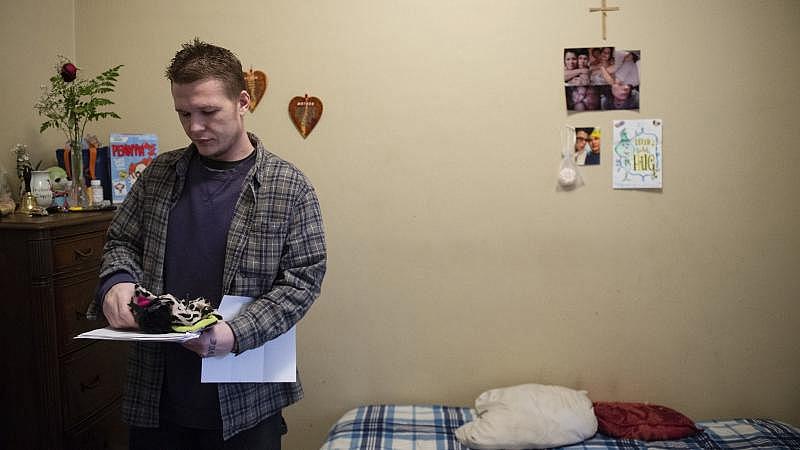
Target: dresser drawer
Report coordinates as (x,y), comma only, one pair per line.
(63,392)
(72,298)
(92,379)
(85,249)
(108,432)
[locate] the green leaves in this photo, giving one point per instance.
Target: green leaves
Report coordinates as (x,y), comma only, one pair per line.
(69,106)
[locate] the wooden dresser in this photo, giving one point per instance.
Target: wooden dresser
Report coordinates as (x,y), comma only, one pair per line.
(57,392)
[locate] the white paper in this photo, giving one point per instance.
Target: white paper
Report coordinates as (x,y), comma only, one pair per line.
(121,335)
(273,362)
(637,154)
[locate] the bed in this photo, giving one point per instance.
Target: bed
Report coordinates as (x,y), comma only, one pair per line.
(432,427)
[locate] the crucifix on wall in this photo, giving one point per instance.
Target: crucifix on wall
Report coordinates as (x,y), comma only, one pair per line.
(604,9)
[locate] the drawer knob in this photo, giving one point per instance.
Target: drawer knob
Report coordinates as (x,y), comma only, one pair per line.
(95,382)
(85,253)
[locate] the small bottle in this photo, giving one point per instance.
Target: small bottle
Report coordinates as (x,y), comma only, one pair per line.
(97,193)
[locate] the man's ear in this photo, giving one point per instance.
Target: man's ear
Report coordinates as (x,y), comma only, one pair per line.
(244,102)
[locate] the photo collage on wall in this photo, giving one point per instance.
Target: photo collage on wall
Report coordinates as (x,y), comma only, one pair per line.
(601,79)
(598,79)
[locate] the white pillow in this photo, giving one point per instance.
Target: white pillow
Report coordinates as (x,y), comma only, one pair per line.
(529,416)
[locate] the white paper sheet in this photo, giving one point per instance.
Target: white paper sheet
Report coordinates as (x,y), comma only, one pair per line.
(273,362)
(121,335)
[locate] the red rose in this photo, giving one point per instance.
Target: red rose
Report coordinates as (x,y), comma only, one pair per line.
(69,72)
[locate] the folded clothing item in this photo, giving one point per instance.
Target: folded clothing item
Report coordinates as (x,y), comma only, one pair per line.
(167,314)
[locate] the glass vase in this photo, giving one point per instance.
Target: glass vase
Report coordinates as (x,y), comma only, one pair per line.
(77,193)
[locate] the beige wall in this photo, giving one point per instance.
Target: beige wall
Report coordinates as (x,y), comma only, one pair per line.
(31,35)
(455,266)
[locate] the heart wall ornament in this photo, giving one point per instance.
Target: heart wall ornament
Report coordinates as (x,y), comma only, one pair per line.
(305,113)
(256,83)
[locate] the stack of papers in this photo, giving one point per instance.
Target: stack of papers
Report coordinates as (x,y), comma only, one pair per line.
(121,335)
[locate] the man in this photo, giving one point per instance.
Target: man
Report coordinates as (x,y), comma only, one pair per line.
(221,216)
(621,96)
(581,145)
(593,157)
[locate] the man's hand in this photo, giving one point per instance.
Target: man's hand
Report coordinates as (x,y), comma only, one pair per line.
(115,306)
(215,341)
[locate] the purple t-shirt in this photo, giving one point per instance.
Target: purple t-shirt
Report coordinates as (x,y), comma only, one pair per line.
(196,237)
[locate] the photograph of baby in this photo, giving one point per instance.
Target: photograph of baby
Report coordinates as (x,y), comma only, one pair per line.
(587,146)
(601,78)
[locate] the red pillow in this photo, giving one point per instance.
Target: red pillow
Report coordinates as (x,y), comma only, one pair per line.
(641,421)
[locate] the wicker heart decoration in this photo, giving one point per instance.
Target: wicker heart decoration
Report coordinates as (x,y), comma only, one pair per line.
(256,83)
(305,113)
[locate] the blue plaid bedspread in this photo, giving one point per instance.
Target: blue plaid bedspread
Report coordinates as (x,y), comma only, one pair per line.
(393,427)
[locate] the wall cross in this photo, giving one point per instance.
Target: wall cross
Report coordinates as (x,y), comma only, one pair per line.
(604,9)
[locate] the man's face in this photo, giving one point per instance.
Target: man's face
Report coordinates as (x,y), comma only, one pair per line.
(620,91)
(580,140)
(594,143)
(211,119)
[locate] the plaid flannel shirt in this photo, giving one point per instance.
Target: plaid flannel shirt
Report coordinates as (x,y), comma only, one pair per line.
(275,252)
